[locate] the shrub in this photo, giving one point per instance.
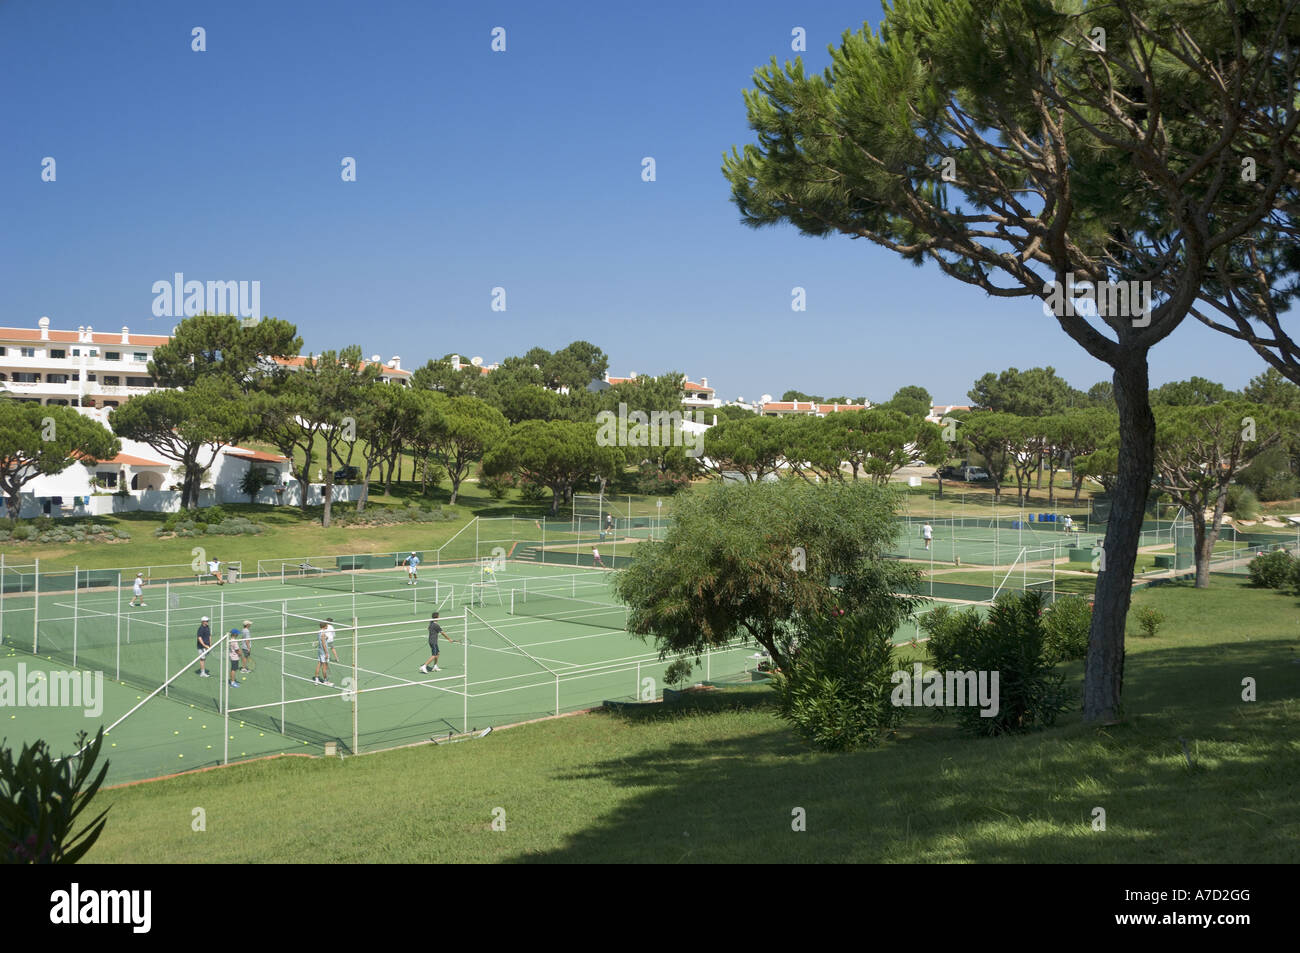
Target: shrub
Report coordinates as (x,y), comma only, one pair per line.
(41,798)
(1149,620)
(678,672)
(1242,502)
(497,486)
(652,481)
(1067,624)
(1012,642)
(532,493)
(1272,570)
(837,692)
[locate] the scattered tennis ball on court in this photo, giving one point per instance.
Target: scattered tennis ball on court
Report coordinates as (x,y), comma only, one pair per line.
(176,732)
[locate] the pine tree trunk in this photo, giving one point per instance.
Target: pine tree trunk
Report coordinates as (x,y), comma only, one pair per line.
(304,480)
(1104,669)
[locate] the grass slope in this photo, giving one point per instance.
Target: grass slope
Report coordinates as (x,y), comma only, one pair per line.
(721,785)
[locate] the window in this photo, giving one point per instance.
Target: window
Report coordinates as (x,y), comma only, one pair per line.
(76,377)
(139,382)
(56,401)
(76,352)
(56,378)
(141,357)
(58,353)
(27,378)
(3,351)
(110,403)
(112,355)
(92,377)
(107,478)
(27,351)
(112,381)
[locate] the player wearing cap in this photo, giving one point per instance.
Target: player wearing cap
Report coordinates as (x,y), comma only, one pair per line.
(137,590)
(329,637)
(204,637)
(412,569)
(234,657)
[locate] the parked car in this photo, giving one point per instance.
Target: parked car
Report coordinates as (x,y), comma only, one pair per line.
(964,473)
(343,474)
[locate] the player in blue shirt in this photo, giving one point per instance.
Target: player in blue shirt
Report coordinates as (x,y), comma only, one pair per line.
(412,569)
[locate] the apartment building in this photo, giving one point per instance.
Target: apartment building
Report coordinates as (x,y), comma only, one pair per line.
(804,408)
(75,368)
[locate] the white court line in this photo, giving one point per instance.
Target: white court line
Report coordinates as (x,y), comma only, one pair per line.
(350,668)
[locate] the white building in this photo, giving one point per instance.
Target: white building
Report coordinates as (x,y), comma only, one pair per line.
(75,368)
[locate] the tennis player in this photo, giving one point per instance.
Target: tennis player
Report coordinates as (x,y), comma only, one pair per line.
(246,647)
(322,657)
(214,567)
(329,636)
(595,554)
(412,569)
(435,630)
(927,534)
(234,657)
(204,637)
(137,590)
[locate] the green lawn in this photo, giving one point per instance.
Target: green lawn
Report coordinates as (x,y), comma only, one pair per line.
(288,533)
(721,785)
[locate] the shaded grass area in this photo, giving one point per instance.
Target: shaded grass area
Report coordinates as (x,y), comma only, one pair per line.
(1193,774)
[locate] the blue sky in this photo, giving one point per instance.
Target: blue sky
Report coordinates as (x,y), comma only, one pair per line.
(475,170)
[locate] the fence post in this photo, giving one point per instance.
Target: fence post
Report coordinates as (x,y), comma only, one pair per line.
(119,626)
(76,587)
(36,607)
(284,649)
(356,690)
(167,637)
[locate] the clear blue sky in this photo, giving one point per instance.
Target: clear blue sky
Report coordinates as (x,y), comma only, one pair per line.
(475,170)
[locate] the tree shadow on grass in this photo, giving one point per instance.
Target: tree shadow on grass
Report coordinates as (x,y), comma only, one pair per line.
(735,794)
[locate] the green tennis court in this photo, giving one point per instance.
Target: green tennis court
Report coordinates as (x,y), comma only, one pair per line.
(529,641)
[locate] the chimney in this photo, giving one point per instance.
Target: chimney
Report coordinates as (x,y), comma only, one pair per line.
(704,382)
(395,363)
(44,325)
(81,332)
(455,362)
(126,335)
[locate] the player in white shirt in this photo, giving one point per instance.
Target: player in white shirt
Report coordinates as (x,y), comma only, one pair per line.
(927,534)
(137,590)
(329,637)
(214,567)
(412,569)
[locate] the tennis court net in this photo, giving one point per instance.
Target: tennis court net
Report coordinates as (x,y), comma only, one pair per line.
(564,609)
(347,580)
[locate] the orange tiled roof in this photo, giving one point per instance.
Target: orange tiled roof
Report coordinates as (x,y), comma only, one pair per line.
(259,455)
(71,337)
